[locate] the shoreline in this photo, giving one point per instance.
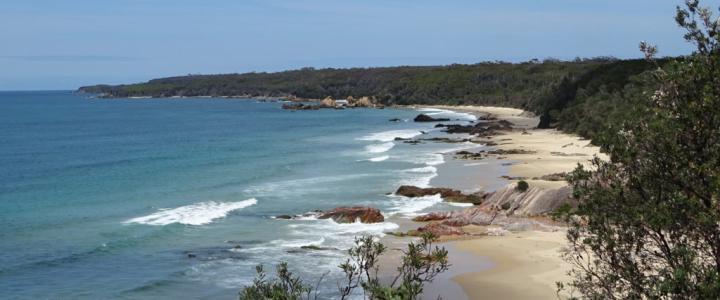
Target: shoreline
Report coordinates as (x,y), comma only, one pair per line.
(519,264)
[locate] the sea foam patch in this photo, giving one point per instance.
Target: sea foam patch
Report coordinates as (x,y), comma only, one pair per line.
(419,177)
(390,135)
(444,113)
(195,214)
(412,206)
(379,158)
(380,148)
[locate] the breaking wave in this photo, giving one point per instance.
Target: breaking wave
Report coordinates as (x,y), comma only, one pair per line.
(195,214)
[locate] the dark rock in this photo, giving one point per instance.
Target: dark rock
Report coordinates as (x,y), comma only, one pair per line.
(318,248)
(284,217)
(395,120)
(480,129)
(426,118)
(470,155)
(299,106)
(446,140)
(350,214)
(511,151)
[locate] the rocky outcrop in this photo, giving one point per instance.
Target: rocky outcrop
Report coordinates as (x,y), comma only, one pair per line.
(482,154)
(489,128)
(328,102)
(534,201)
(364,102)
(504,210)
(352,214)
(481,216)
(447,194)
(426,118)
(437,229)
(470,155)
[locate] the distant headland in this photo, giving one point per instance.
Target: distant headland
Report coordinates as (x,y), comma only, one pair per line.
(558,91)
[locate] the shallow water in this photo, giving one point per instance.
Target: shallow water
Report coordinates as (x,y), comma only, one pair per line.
(166,198)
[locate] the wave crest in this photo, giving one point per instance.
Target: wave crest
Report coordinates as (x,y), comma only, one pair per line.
(195,214)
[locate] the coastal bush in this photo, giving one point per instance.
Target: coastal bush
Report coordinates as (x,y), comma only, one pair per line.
(285,287)
(420,263)
(577,96)
(522,186)
(647,222)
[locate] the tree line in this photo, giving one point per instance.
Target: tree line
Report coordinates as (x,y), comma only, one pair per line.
(574,95)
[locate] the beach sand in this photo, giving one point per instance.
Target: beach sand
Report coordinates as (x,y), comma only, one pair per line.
(523,265)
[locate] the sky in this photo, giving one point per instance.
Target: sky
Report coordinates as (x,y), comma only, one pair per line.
(52,45)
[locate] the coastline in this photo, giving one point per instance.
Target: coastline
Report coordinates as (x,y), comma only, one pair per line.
(518,264)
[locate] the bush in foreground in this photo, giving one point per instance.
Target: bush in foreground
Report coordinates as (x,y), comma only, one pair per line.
(421,263)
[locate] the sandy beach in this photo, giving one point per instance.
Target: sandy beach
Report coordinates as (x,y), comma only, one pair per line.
(523,264)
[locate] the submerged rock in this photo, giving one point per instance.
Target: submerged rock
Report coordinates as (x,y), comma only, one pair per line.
(351,214)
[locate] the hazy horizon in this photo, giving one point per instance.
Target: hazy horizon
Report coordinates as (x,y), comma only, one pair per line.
(61,46)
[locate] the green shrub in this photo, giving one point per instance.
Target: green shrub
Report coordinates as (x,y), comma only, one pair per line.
(421,263)
(522,186)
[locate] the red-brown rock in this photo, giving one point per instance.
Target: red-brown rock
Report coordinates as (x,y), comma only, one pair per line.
(438,230)
(447,194)
(351,214)
(433,216)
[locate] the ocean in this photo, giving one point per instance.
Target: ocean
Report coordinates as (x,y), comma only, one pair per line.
(168,199)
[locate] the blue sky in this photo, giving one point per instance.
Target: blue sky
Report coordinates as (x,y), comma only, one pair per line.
(50,44)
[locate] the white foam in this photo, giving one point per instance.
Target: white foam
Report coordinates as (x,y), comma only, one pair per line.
(448,114)
(460,146)
(429,109)
(412,206)
(460,204)
(428,169)
(379,148)
(300,186)
(435,159)
(195,214)
(357,227)
(475,164)
(298,243)
(337,235)
(379,158)
(387,136)
(419,177)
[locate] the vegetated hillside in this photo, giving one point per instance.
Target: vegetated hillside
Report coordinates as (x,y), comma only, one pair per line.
(565,94)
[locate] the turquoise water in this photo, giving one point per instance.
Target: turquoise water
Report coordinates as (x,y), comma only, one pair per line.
(106,199)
